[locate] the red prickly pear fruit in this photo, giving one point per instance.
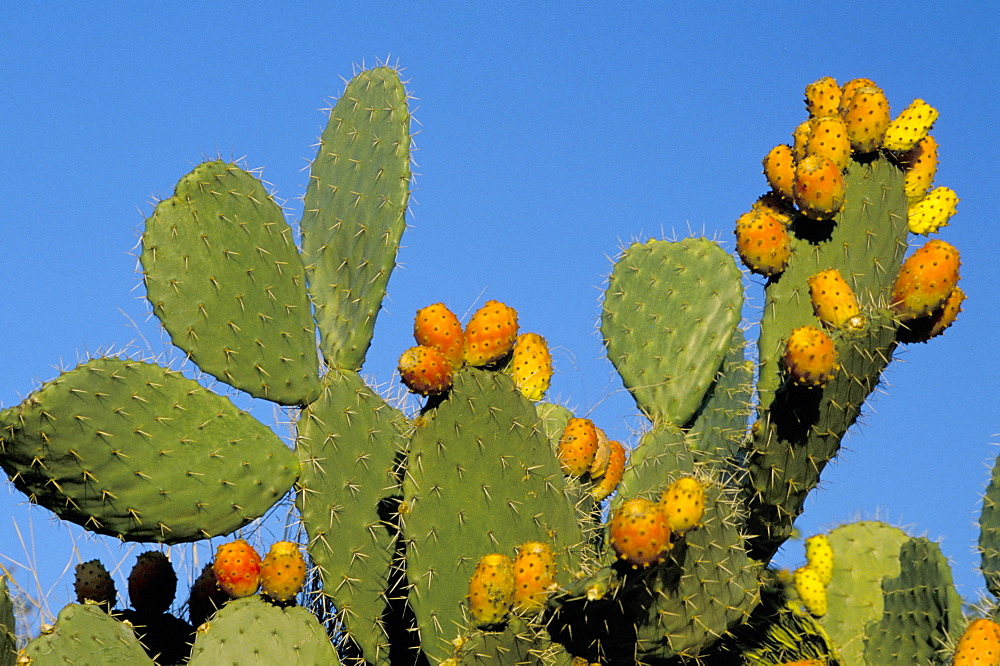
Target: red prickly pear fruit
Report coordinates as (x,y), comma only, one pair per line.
(425,370)
(283,571)
(779,169)
(437,327)
(910,126)
(152,583)
(866,117)
(847,91)
(684,504)
(810,357)
(94,583)
(979,644)
(932,211)
(833,300)
(819,187)
(490,334)
(577,446)
(828,137)
(639,532)
(491,591)
(921,165)
(926,278)
(237,568)
(607,484)
(531,366)
(534,575)
(763,243)
(206,596)
(823,97)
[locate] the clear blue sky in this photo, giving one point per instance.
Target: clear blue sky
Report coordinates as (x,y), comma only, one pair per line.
(549,135)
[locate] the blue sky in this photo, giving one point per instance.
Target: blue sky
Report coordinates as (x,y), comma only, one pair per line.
(549,135)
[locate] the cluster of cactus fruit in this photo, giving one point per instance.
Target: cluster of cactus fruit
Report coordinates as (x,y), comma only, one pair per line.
(492,526)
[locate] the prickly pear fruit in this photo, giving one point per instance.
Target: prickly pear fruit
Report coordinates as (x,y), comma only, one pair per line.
(762,243)
(910,126)
(819,557)
(283,571)
(800,137)
(979,644)
(810,357)
(94,583)
(534,575)
(823,97)
(945,316)
(684,504)
(774,205)
(152,583)
(811,590)
(577,446)
(828,137)
(613,473)
(425,370)
(206,596)
(866,117)
(237,568)
(639,532)
(602,456)
(531,366)
(491,590)
(779,169)
(933,211)
(490,333)
(437,327)
(819,187)
(847,91)
(921,166)
(833,300)
(925,279)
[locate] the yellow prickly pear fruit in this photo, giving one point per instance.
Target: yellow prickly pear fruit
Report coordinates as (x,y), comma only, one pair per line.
(490,333)
(437,327)
(283,571)
(684,504)
(763,243)
(847,91)
(534,575)
(833,300)
(910,126)
(933,211)
(779,169)
(800,136)
(979,644)
(810,357)
(577,446)
(866,117)
(819,557)
(925,280)
(921,165)
(774,205)
(602,456)
(811,590)
(828,137)
(819,187)
(823,97)
(491,590)
(606,485)
(531,366)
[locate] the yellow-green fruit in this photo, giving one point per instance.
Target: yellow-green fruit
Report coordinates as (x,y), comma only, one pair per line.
(779,169)
(283,571)
(866,117)
(979,644)
(613,473)
(819,187)
(910,126)
(823,97)
(684,504)
(921,165)
(828,137)
(531,366)
(847,91)
(810,357)
(491,590)
(819,557)
(833,300)
(534,575)
(933,211)
(811,590)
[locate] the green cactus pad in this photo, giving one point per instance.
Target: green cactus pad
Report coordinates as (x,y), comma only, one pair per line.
(481,478)
(225,278)
(140,452)
(349,442)
(989,532)
(8,626)
(253,631)
(669,313)
(86,635)
(518,643)
(661,452)
(355,207)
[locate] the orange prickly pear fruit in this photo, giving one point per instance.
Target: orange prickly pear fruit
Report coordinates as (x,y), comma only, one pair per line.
(437,327)
(490,334)
(684,504)
(910,126)
(823,97)
(979,644)
(810,357)
(866,117)
(531,366)
(283,571)
(152,583)
(847,91)
(819,557)
(779,169)
(577,446)
(833,300)
(613,473)
(534,575)
(933,211)
(926,279)
(828,137)
(237,568)
(819,187)
(811,590)
(639,532)
(491,590)
(921,166)
(425,370)
(763,243)
(945,316)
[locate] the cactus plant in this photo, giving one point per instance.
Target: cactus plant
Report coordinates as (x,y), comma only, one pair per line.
(399,508)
